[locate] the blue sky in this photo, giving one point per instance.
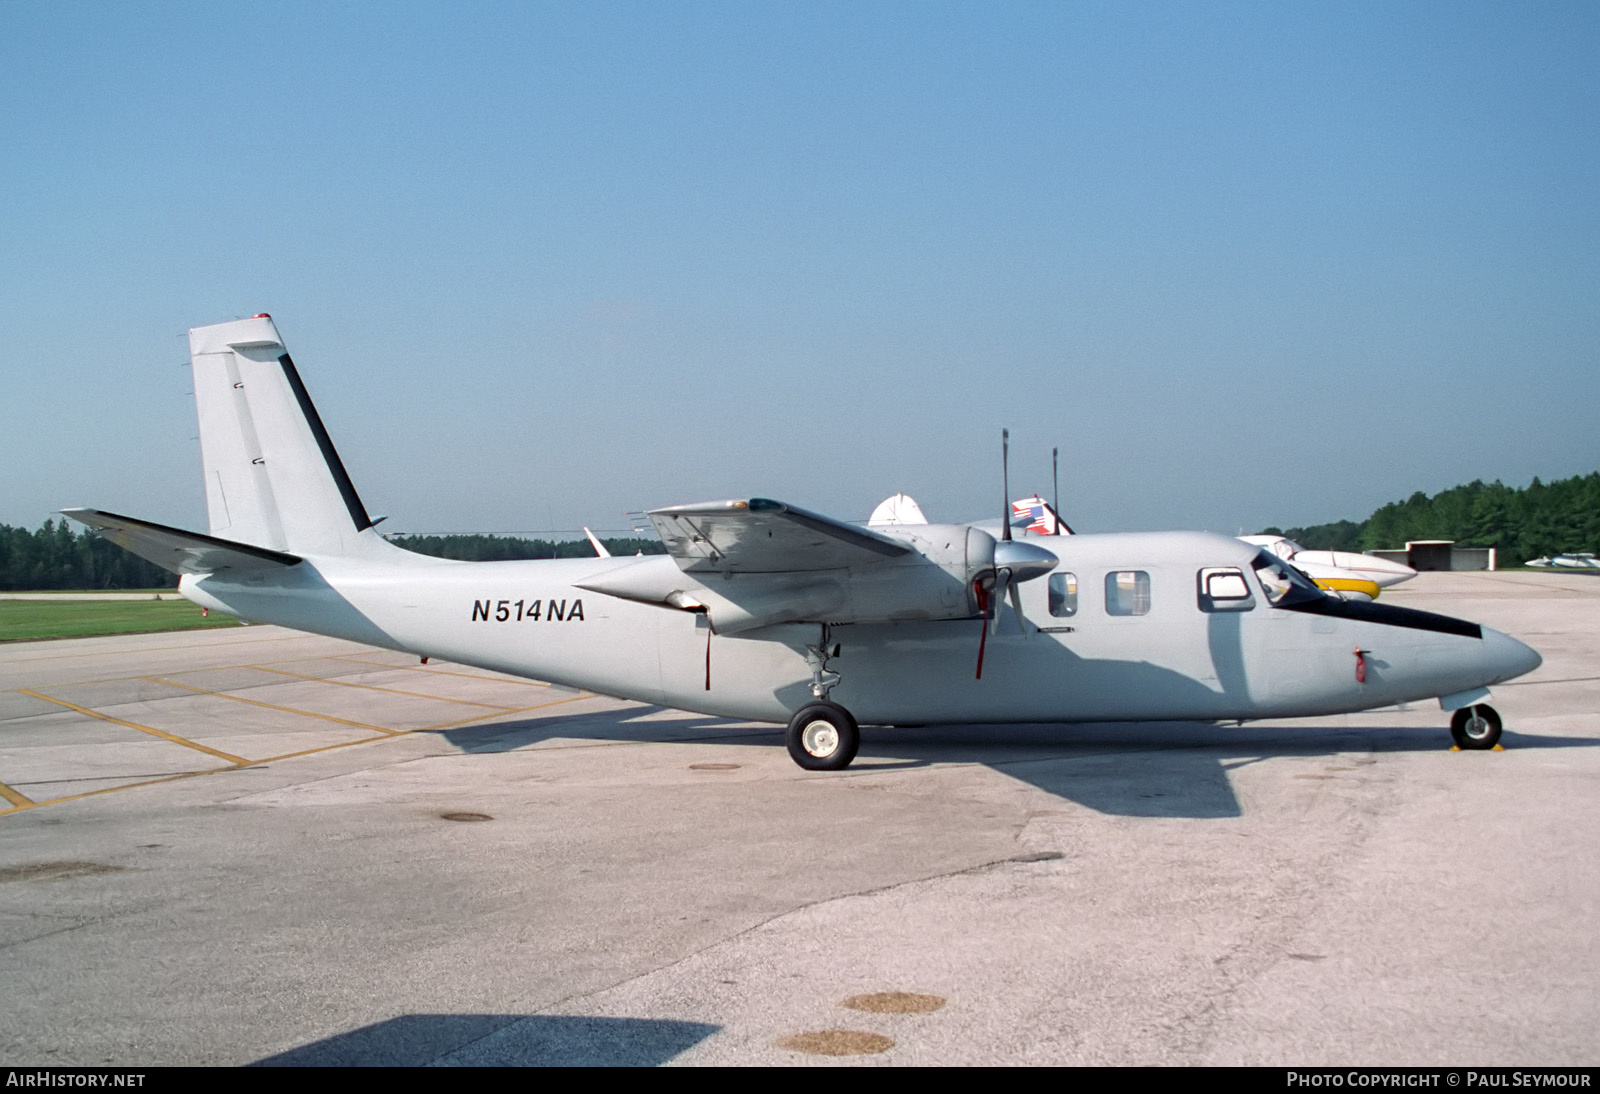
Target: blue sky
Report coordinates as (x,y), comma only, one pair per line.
(1244,264)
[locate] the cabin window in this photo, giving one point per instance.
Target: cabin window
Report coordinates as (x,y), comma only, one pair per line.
(1063,595)
(1127,592)
(1224,589)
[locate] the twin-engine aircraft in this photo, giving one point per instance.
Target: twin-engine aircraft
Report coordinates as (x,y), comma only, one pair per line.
(767,612)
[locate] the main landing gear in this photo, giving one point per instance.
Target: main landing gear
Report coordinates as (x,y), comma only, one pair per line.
(823,736)
(1475,727)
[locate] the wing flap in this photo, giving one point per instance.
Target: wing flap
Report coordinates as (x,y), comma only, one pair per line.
(762,536)
(179,551)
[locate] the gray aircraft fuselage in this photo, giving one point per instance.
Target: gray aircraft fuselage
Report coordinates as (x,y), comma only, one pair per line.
(1172,661)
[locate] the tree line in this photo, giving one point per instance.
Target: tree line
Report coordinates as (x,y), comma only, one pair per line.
(1522,523)
(508,548)
(57,557)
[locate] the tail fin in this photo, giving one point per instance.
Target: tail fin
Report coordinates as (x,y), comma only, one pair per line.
(1037,515)
(273,478)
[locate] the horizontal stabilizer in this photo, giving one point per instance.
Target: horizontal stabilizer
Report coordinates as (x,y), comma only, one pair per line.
(762,536)
(179,551)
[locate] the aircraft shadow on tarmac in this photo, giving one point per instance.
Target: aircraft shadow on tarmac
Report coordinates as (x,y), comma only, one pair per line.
(500,1040)
(1143,769)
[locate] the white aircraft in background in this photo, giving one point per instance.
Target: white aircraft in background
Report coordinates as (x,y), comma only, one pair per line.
(1577,560)
(767,612)
(1348,573)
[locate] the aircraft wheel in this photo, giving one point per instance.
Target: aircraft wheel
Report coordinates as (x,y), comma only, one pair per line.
(823,737)
(1475,727)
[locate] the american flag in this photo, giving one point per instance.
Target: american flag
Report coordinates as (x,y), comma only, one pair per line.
(1037,513)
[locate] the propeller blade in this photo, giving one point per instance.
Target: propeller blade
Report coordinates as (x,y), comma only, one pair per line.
(1016,606)
(1002,582)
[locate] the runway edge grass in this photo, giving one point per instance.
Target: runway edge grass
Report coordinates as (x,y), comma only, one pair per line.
(37,620)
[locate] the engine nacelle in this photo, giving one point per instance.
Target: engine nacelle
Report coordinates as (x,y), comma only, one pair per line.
(938,580)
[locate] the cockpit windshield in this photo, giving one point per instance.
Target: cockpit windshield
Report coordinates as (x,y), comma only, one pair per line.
(1282,583)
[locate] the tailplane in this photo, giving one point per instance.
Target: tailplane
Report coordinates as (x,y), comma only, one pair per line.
(273,478)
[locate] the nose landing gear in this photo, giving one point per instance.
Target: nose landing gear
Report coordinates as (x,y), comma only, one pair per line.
(1476,727)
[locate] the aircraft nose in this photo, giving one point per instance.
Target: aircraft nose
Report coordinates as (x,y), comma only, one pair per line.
(1507,657)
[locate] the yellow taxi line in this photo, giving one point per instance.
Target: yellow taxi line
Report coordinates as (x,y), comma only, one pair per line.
(111,790)
(518,710)
(374,687)
(337,744)
(163,734)
(271,706)
(24,803)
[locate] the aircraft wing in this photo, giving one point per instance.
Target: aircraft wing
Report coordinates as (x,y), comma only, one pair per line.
(762,536)
(176,550)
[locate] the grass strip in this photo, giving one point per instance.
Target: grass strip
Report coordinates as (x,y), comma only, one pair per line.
(33,620)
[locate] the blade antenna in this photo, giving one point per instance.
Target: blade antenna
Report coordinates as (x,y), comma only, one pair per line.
(1055,478)
(1005,482)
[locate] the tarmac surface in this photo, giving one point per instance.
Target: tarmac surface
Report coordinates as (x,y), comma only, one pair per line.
(256,846)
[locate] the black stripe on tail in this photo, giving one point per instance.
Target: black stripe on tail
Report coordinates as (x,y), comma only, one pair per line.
(347,489)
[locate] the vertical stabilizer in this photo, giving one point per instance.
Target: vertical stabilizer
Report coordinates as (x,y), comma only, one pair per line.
(273,478)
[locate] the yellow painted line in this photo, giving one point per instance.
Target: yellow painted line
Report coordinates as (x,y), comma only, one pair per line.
(329,748)
(446,672)
(19,806)
(374,687)
(518,710)
(13,797)
(163,734)
(110,790)
(271,706)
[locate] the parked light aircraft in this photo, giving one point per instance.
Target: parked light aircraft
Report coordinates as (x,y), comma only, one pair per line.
(1577,560)
(1348,573)
(767,612)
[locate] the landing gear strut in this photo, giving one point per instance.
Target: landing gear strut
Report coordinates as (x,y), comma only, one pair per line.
(823,736)
(1475,727)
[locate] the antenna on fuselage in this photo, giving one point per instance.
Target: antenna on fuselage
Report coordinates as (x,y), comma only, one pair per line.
(1005,483)
(1055,479)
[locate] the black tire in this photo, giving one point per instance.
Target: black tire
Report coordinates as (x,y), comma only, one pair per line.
(1475,727)
(823,737)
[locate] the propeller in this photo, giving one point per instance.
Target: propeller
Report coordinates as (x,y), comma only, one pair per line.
(1011,562)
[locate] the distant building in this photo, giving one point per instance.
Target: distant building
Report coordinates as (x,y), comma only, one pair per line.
(1440,554)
